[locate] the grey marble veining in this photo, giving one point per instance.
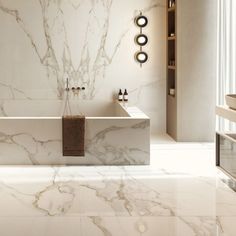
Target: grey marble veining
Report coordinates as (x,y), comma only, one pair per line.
(92,67)
(85,41)
(115,140)
(117,201)
(2,111)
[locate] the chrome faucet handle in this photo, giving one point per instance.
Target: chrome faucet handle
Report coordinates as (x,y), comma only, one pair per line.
(80,88)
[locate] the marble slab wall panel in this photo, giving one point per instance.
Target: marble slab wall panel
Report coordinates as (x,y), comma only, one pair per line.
(43,42)
(109,141)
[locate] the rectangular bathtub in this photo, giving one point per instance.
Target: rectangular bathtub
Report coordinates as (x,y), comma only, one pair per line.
(31,133)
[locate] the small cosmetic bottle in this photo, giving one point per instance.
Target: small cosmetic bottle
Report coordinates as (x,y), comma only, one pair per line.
(120,96)
(126,96)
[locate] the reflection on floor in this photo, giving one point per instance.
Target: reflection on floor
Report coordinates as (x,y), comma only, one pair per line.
(179,194)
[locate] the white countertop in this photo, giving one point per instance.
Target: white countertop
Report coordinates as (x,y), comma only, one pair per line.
(226,113)
(133,111)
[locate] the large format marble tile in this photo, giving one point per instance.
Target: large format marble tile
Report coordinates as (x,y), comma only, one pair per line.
(92,191)
(43,226)
(112,200)
(118,226)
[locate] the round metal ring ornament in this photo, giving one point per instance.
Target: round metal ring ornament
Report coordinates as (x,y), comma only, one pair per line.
(141,57)
(141,39)
(141,21)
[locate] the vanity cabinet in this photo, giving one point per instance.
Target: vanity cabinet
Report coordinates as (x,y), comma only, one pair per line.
(226,140)
(226,152)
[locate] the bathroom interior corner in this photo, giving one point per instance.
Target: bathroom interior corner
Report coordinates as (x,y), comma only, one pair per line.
(118,118)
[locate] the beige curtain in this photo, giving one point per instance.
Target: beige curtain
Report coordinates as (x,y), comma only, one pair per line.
(226,81)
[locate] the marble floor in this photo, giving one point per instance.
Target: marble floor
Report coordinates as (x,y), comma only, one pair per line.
(180,194)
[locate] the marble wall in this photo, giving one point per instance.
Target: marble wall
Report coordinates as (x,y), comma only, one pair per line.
(89,41)
(197,70)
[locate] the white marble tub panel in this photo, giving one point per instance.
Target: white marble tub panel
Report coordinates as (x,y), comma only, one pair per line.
(108,140)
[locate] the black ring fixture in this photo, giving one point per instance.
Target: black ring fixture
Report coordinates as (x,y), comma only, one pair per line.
(141,39)
(141,57)
(141,21)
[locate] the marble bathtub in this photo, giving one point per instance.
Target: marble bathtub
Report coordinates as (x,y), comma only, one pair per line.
(31,133)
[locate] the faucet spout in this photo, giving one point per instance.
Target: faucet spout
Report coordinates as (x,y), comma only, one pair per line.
(67,84)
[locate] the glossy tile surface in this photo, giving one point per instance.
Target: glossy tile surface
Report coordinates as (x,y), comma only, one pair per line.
(180,193)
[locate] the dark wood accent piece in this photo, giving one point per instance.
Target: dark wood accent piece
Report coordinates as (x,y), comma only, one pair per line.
(171,9)
(171,70)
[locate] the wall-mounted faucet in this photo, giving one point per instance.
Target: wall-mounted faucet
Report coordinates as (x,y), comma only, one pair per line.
(78,88)
(74,89)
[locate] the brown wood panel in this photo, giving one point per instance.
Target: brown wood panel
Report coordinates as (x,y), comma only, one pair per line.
(171,109)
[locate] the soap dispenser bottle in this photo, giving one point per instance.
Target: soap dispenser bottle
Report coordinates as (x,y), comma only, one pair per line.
(120,96)
(126,98)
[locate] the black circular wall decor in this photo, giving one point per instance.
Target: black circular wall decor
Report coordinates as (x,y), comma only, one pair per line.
(141,39)
(141,21)
(141,57)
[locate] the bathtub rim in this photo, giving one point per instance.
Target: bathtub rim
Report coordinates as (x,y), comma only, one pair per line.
(132,112)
